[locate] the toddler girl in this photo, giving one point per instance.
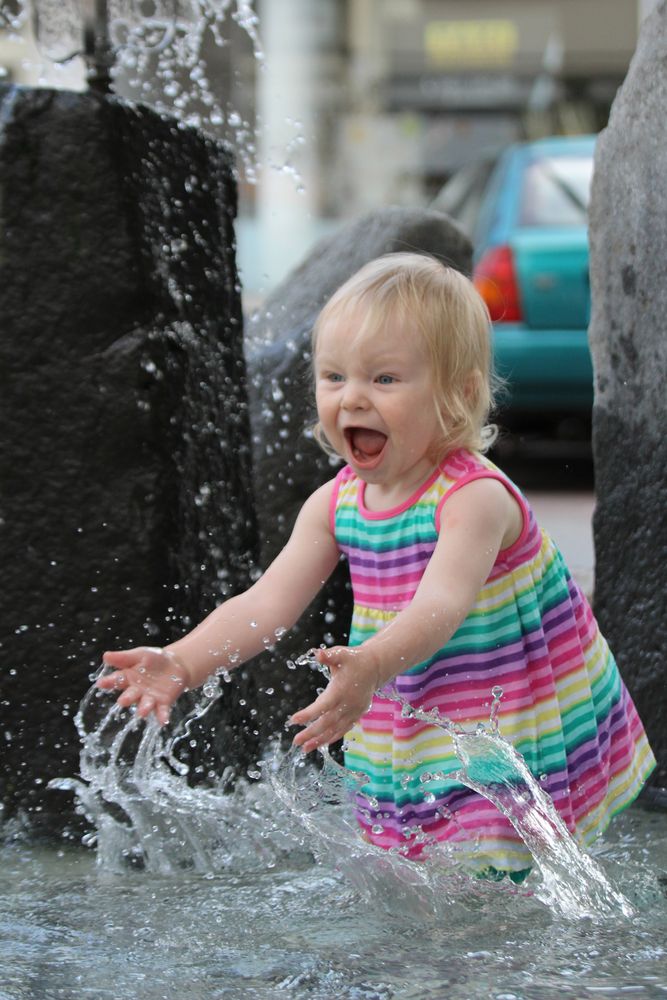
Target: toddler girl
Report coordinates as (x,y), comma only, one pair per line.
(456,589)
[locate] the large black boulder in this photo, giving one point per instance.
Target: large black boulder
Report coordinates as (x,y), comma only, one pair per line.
(124,447)
(628,229)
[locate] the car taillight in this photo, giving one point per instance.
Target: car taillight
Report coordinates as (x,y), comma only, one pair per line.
(495,280)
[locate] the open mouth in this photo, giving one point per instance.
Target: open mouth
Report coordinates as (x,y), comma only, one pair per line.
(366,445)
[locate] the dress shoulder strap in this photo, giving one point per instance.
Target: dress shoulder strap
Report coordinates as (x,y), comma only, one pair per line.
(466,467)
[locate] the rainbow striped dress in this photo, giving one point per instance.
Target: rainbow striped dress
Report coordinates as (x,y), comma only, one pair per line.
(531,632)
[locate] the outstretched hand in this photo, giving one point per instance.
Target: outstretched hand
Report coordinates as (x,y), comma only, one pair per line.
(354,678)
(149,678)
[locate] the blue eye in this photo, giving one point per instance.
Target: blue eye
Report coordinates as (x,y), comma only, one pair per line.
(386,379)
(334,377)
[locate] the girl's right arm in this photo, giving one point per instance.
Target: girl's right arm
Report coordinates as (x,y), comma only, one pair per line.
(237,630)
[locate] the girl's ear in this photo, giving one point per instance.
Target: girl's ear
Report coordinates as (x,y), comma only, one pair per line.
(472,387)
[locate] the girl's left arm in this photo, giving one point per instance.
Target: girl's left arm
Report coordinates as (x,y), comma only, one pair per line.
(478,520)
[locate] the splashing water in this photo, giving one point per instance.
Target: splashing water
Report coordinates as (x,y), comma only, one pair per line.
(135,792)
(572,883)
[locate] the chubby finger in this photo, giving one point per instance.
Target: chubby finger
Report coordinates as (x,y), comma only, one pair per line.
(310,739)
(146,705)
(129,696)
(162,713)
(322,730)
(121,658)
(334,655)
(304,716)
(313,721)
(114,681)
(107,681)
(305,736)
(313,711)
(315,742)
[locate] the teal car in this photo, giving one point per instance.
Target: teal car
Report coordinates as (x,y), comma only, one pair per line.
(526,213)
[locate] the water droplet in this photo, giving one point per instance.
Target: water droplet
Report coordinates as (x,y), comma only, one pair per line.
(211,687)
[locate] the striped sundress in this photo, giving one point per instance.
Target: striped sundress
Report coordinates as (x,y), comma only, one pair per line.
(531,632)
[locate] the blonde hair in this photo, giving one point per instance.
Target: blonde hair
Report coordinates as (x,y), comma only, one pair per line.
(453,320)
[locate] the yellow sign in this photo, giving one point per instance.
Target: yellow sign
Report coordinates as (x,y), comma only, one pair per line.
(471,43)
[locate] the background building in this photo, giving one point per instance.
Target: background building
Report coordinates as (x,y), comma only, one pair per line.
(394,95)
(362,103)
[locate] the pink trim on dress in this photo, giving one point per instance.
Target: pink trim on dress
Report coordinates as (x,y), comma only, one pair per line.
(379,515)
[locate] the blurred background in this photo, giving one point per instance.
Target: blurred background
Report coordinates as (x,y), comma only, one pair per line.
(337,107)
(484,109)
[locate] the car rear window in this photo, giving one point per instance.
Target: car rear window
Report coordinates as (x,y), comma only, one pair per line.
(556,191)
(462,195)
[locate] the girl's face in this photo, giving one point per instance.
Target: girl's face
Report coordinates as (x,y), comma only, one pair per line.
(376,401)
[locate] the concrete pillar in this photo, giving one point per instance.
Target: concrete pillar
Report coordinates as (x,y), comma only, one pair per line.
(644,8)
(298,36)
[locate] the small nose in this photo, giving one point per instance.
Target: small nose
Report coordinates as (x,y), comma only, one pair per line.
(354,395)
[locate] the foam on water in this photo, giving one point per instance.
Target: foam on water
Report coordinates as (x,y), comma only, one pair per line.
(136,793)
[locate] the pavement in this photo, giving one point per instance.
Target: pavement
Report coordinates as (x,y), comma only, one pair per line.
(568,517)
(558,480)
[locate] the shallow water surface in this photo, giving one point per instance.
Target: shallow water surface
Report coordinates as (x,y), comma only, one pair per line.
(269,891)
(276,923)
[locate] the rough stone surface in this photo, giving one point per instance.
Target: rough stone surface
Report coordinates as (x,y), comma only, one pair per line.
(628,251)
(124,445)
(288,464)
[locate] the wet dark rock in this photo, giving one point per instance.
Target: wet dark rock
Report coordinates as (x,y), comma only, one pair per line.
(124,457)
(628,250)
(288,464)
